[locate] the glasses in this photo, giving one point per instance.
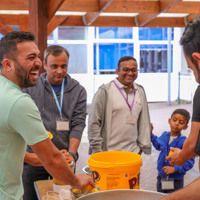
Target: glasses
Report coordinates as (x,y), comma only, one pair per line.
(127,70)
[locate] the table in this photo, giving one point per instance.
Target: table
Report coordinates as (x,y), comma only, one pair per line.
(43,186)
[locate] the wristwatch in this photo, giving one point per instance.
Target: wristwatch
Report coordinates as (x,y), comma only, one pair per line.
(75,156)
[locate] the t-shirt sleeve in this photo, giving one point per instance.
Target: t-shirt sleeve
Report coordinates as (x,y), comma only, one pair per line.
(196,106)
(25,119)
(196,117)
(197,146)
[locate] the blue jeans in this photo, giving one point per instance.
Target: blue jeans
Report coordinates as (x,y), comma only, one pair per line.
(178,184)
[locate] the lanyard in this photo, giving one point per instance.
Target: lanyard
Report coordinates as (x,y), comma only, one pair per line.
(59,106)
(130,106)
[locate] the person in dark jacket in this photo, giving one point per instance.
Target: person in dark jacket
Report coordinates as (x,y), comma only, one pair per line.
(171,177)
(61,101)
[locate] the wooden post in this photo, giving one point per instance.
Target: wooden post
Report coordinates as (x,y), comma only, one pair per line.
(38,20)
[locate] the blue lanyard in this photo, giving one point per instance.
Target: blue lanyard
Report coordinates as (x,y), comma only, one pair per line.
(59,106)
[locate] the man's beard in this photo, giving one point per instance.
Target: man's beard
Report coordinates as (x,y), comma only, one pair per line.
(23,76)
(24,81)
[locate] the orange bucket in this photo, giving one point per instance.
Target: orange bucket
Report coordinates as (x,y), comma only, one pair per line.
(115,169)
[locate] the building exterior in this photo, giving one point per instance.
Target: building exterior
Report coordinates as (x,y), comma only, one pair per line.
(95,51)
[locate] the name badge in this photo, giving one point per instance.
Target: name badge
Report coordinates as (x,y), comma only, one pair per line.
(62,124)
(130,119)
(167,184)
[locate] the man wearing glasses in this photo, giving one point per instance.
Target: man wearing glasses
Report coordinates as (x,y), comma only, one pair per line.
(119,115)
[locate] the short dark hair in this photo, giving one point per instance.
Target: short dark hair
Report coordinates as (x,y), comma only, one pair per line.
(183,112)
(125,58)
(55,50)
(190,39)
(8,44)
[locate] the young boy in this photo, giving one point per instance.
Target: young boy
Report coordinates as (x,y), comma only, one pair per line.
(171,177)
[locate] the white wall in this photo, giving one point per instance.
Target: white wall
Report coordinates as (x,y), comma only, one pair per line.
(155,85)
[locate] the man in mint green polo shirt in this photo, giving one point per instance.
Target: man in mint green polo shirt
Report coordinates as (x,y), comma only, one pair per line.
(20,121)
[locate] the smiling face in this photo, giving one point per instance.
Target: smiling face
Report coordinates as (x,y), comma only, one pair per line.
(56,68)
(177,123)
(23,68)
(127,73)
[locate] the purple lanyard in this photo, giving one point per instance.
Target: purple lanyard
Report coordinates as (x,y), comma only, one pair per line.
(130,106)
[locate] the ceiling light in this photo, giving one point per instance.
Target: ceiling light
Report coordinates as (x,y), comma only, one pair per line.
(70,13)
(118,14)
(14,12)
(173,15)
(191,0)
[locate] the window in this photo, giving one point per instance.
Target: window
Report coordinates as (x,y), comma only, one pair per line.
(72,33)
(106,61)
(15,28)
(109,44)
(153,58)
(50,36)
(114,33)
(154,34)
(77,58)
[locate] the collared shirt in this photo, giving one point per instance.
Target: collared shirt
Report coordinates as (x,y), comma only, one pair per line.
(123,136)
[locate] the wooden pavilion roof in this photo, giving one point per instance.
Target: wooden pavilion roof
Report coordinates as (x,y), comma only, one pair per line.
(103,13)
(43,16)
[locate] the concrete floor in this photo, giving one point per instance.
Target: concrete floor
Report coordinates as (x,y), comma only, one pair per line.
(159,114)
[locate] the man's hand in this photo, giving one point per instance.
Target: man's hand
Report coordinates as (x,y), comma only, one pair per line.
(71,157)
(152,129)
(84,180)
(175,158)
(65,154)
(168,169)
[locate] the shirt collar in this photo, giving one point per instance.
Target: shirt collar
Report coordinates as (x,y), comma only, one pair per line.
(122,86)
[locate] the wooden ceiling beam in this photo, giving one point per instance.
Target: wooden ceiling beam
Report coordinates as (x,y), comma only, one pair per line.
(23,23)
(89,18)
(143,19)
(26,3)
(53,7)
(104,21)
(13,5)
(148,12)
(73,21)
(190,17)
(55,22)
(103,4)
(130,6)
(4,27)
(117,6)
(80,6)
(135,0)
(134,7)
(114,22)
(185,7)
(11,19)
(167,22)
(108,21)
(166,5)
